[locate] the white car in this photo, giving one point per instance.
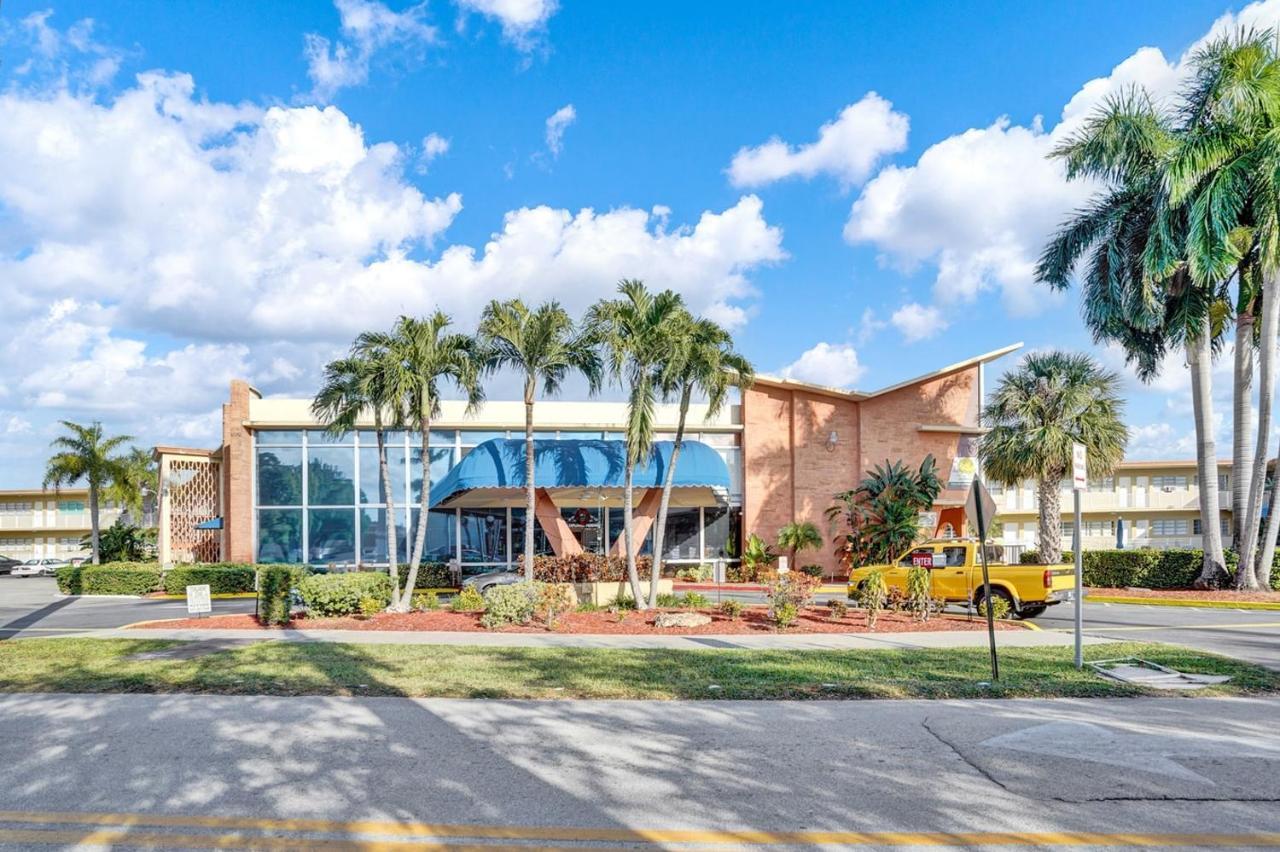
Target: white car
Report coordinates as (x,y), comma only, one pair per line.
(38,567)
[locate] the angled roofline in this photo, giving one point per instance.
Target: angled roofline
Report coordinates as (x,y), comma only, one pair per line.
(826,390)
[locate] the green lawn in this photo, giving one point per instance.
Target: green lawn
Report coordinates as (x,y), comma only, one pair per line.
(283,668)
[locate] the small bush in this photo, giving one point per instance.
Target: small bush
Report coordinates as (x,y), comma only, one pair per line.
(696,573)
(689,600)
(895,600)
(812,570)
(222,579)
(731,608)
(871,597)
(622,603)
(1000,608)
(839,609)
(431,575)
(553,601)
(510,604)
(68,577)
(589,606)
(370,605)
(467,600)
(342,594)
(427,601)
(919,600)
(275,582)
(792,587)
(586,568)
(785,614)
(120,578)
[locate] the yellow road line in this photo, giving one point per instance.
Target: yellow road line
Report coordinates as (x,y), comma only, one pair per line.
(238,839)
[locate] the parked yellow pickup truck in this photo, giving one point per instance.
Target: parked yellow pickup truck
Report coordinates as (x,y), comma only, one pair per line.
(955,575)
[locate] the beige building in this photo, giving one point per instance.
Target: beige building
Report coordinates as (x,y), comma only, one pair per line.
(1150,504)
(38,524)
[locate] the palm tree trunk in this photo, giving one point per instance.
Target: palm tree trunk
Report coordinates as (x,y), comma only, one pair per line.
(93,521)
(1267,552)
(1241,423)
(628,533)
(1266,389)
(388,502)
(1213,570)
(420,534)
(1050,544)
(659,533)
(530,495)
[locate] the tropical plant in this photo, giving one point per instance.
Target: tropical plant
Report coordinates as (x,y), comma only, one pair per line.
(638,332)
(1137,286)
(1049,402)
(798,536)
(757,556)
(881,516)
(415,358)
(872,594)
(120,542)
(919,592)
(701,360)
(544,346)
(86,454)
(139,478)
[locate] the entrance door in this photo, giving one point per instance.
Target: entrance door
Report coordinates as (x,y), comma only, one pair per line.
(585,524)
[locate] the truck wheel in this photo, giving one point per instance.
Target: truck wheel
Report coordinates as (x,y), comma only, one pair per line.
(996,594)
(1032,610)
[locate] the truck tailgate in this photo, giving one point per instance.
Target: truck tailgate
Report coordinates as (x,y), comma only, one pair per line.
(1062,578)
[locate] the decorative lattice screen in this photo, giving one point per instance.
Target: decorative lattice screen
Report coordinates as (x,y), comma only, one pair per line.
(193,498)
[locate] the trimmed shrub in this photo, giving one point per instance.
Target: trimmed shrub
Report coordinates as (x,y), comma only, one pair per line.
(68,577)
(586,568)
(427,601)
(731,608)
(372,605)
(120,578)
(785,614)
(467,600)
(689,600)
(431,575)
(341,594)
(510,604)
(275,585)
(812,570)
(696,573)
(222,579)
(839,609)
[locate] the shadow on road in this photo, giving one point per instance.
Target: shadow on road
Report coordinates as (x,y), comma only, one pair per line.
(30,619)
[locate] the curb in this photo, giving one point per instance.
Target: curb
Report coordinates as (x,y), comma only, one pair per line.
(1262,606)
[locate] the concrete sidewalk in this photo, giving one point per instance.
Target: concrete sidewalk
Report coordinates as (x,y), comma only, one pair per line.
(778,642)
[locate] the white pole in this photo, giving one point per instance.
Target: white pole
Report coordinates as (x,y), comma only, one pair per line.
(1079,560)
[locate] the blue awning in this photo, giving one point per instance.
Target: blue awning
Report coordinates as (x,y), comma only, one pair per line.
(211,524)
(499,466)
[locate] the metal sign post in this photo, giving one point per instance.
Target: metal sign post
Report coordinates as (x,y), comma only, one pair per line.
(1079,481)
(982,508)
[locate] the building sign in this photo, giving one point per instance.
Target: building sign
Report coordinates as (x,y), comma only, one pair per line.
(922,559)
(1079,467)
(198,600)
(928,522)
(965,466)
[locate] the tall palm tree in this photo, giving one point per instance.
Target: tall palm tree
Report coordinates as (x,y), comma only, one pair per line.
(87,454)
(544,345)
(1136,284)
(638,335)
(797,536)
(702,360)
(1050,401)
(139,477)
(418,355)
(351,386)
(1228,175)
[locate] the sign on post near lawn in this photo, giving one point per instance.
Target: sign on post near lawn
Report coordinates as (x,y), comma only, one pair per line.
(1079,467)
(198,600)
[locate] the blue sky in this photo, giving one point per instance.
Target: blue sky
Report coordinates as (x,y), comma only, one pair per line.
(207,190)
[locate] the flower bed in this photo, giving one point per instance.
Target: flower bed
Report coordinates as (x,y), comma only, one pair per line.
(752,620)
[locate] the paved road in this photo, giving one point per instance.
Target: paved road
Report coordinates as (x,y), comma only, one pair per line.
(1252,635)
(30,606)
(1170,773)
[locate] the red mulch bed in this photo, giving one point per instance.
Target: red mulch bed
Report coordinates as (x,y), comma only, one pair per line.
(1187,594)
(752,620)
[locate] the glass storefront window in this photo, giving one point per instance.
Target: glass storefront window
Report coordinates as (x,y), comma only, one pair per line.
(320,436)
(280,535)
(615,533)
(280,477)
(331,535)
(471,438)
(541,545)
(370,478)
(441,461)
(442,536)
(484,535)
(279,437)
(331,476)
(581,436)
(680,540)
(373,536)
(733,461)
(719,536)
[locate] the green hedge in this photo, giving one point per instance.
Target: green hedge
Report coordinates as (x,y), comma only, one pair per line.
(222,578)
(68,577)
(1143,569)
(340,594)
(275,585)
(431,575)
(120,578)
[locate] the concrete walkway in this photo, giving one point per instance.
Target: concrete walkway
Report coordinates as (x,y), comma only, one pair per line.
(788,642)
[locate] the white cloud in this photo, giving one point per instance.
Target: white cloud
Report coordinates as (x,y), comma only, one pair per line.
(433,146)
(16,425)
(847,148)
(869,326)
(521,20)
(917,322)
(72,56)
(557,123)
(834,365)
(367,27)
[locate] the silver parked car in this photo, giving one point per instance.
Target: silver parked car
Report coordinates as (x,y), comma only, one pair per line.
(484,582)
(38,567)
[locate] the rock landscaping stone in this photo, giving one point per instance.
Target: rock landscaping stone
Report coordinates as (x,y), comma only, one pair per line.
(681,619)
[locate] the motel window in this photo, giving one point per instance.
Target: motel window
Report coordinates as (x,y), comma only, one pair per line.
(15,507)
(1169,527)
(70,505)
(1105,484)
(1168,482)
(1224,527)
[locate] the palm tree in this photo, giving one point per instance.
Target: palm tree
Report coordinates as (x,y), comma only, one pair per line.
(797,536)
(85,453)
(1050,401)
(637,332)
(351,386)
(702,360)
(544,345)
(138,478)
(1136,284)
(418,355)
(882,515)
